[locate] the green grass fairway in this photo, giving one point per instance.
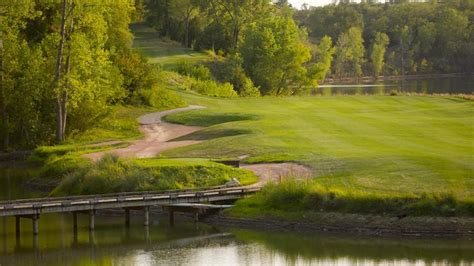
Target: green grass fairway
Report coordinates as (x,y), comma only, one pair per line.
(161,51)
(398,145)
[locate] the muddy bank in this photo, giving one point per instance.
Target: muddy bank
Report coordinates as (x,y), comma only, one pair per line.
(370,225)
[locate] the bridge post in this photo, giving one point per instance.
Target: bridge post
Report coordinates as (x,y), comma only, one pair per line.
(127,217)
(35,222)
(74,221)
(91,220)
(147,216)
(17,225)
(196,217)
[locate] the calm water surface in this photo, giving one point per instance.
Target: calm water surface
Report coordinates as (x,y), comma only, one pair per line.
(456,85)
(199,244)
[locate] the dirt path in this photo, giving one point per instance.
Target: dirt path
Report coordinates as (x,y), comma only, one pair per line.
(158,133)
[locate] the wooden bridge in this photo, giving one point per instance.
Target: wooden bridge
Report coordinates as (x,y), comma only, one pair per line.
(171,201)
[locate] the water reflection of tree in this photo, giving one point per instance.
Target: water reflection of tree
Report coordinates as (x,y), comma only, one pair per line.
(316,247)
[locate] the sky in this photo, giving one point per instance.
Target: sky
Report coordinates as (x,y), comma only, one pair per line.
(298,3)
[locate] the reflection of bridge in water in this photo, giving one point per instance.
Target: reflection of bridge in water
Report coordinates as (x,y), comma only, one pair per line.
(91,250)
(171,201)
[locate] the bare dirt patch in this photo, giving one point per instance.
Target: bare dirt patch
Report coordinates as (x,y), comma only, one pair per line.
(157,135)
(276,172)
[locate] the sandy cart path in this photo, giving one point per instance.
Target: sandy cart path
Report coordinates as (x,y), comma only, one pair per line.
(157,135)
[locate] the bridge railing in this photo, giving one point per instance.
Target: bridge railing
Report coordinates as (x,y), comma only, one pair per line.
(123,195)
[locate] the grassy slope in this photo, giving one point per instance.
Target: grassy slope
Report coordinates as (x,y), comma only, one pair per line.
(165,52)
(388,145)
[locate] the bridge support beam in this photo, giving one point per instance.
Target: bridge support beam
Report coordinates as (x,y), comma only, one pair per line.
(17,225)
(35,222)
(147,216)
(74,221)
(91,220)
(127,217)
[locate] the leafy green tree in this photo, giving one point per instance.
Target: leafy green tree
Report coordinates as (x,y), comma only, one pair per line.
(349,55)
(12,16)
(377,55)
(452,31)
(235,15)
(274,55)
(185,10)
(323,57)
(80,48)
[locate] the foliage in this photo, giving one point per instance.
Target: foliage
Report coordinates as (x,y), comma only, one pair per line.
(349,53)
(46,89)
(378,52)
(424,37)
(293,196)
(198,72)
(212,88)
(323,57)
(229,69)
(158,98)
(273,54)
(111,175)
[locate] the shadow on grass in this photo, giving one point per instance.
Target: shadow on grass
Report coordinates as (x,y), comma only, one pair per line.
(206,119)
(212,133)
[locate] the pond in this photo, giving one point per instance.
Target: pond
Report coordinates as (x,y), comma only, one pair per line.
(188,243)
(454,85)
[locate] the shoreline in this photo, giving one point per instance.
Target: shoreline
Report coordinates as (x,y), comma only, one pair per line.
(368,79)
(356,224)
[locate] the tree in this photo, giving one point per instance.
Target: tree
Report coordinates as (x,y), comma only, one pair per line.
(452,32)
(323,57)
(274,53)
(186,10)
(80,45)
(11,22)
(378,52)
(235,14)
(349,55)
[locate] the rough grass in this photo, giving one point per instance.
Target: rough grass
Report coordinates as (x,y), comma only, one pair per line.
(389,146)
(294,198)
(162,51)
(111,175)
(121,125)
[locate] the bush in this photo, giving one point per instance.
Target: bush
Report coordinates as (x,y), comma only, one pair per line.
(244,86)
(198,72)
(297,196)
(212,88)
(230,70)
(138,73)
(158,98)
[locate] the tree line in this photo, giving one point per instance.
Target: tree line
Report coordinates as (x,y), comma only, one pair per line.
(396,39)
(346,39)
